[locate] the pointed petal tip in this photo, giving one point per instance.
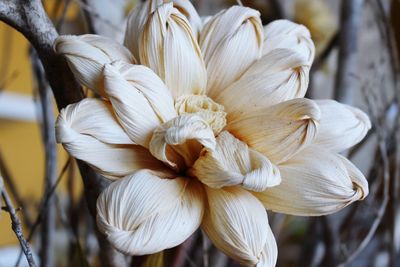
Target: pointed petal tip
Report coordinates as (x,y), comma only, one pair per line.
(317,182)
(341,126)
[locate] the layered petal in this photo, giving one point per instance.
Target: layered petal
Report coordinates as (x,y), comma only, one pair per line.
(315,182)
(279,131)
(341,126)
(233,163)
(289,35)
(139,98)
(179,141)
(87,54)
(237,224)
(169,47)
(144,214)
(89,132)
(230,41)
(139,15)
(278,76)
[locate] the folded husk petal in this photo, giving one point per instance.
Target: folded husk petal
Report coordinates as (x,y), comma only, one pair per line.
(315,182)
(87,54)
(341,126)
(233,163)
(230,41)
(140,100)
(279,131)
(89,132)
(179,141)
(286,34)
(169,47)
(144,214)
(237,224)
(138,16)
(278,76)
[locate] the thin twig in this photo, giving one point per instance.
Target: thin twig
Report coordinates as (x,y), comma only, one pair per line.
(381,210)
(44,205)
(16,226)
(89,19)
(61,19)
(95,14)
(9,181)
(50,149)
(318,62)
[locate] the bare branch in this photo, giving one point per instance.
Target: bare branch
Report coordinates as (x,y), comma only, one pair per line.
(8,180)
(16,226)
(347,64)
(49,140)
(89,19)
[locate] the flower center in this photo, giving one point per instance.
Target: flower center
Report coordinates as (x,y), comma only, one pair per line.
(178,142)
(203,106)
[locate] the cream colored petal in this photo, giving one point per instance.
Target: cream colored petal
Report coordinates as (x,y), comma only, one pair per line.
(188,10)
(144,214)
(281,74)
(179,141)
(139,98)
(87,54)
(139,15)
(279,131)
(168,46)
(95,117)
(277,77)
(315,182)
(237,224)
(89,132)
(341,126)
(233,163)
(136,20)
(286,34)
(269,254)
(231,41)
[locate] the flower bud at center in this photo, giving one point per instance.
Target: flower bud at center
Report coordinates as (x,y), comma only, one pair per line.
(203,106)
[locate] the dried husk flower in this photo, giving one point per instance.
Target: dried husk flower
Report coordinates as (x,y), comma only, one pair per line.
(204,124)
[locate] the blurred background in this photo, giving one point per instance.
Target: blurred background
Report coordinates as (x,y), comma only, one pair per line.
(358,36)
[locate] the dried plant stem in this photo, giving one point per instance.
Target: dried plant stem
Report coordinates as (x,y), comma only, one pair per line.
(89,19)
(49,140)
(44,205)
(8,180)
(347,64)
(16,226)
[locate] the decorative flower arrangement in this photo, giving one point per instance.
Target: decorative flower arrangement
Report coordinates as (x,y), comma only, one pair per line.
(204,124)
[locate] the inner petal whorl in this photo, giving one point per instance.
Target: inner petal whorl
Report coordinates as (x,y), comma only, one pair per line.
(203,106)
(178,142)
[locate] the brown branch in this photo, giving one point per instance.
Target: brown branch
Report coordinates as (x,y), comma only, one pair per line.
(16,226)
